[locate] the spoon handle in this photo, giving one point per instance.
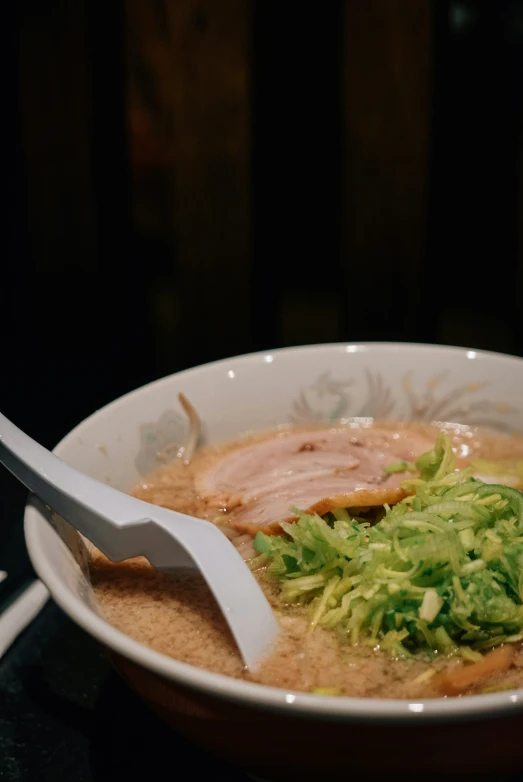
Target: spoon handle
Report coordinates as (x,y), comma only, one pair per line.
(96,510)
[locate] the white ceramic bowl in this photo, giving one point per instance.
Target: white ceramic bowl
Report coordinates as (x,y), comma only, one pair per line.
(119,443)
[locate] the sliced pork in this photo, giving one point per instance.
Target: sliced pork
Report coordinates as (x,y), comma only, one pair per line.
(259,484)
(266,512)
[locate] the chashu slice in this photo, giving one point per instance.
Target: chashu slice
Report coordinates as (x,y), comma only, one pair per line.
(260,483)
(319,496)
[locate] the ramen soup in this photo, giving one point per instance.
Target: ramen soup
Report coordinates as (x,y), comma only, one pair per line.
(392,555)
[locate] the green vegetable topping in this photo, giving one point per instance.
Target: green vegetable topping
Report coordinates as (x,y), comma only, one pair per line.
(441,572)
(327,691)
(399,467)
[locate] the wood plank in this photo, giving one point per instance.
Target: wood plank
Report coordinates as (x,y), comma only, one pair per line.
(474,177)
(519,278)
(89,290)
(195,73)
(56,124)
(387,69)
(296,171)
(519,213)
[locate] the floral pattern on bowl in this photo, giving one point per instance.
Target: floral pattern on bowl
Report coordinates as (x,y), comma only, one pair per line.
(367,394)
(435,399)
(326,399)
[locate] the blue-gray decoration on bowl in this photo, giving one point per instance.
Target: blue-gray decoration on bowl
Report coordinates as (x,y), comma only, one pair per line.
(161,441)
(330,399)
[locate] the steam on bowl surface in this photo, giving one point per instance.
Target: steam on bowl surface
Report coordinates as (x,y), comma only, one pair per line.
(300,387)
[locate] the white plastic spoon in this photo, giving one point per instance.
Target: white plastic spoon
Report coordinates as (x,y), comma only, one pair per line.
(123,527)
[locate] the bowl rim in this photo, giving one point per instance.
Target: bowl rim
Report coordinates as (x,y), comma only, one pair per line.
(224,687)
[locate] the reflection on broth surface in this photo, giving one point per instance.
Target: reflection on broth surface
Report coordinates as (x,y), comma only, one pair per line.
(253,484)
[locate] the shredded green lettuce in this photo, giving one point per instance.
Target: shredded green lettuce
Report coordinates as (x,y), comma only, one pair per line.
(390,469)
(327,691)
(442,572)
(507,472)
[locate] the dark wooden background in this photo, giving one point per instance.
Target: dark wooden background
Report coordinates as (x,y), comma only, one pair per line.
(191,179)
